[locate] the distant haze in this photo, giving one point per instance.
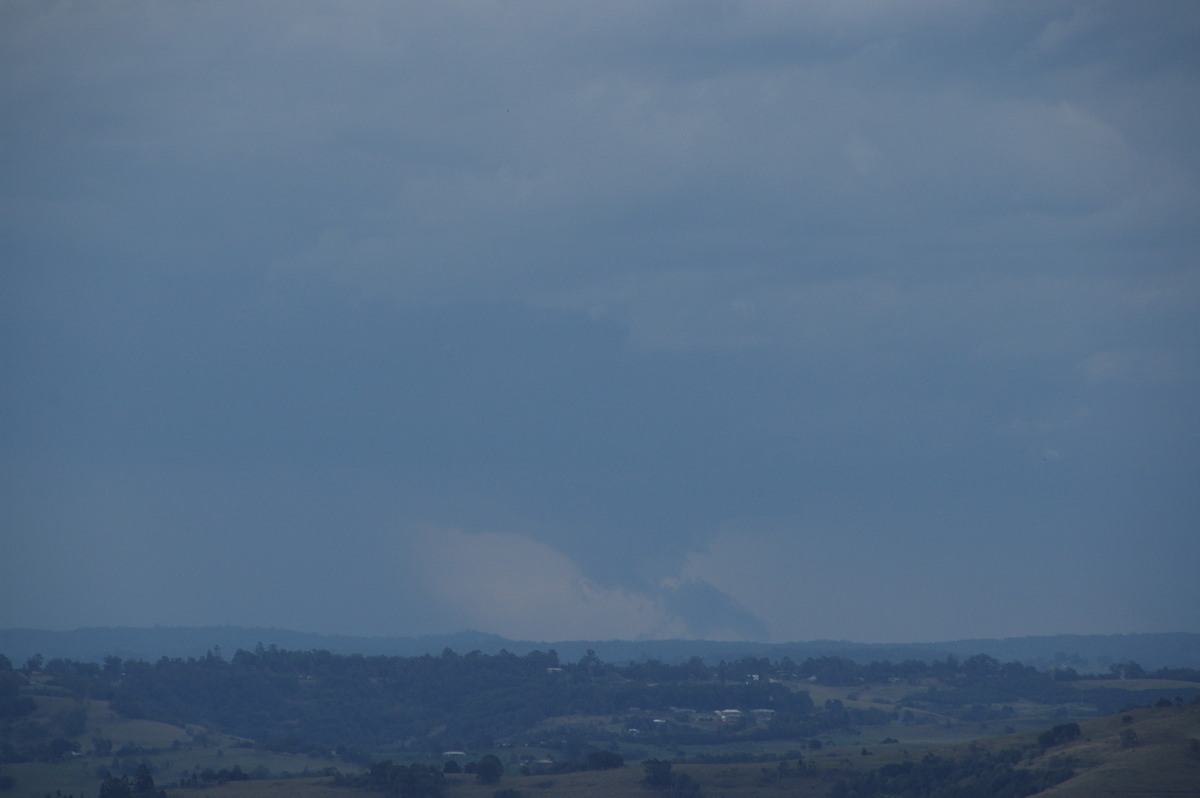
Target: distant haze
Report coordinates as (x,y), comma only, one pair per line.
(871,321)
(1084,653)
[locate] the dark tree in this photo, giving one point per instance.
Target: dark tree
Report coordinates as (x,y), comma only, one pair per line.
(116,788)
(1059,735)
(143,782)
(489,770)
(604,760)
(60,747)
(660,778)
(658,774)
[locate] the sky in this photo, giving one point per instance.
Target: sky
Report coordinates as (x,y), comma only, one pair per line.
(873,321)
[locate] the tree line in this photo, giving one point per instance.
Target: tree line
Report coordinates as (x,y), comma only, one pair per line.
(318,702)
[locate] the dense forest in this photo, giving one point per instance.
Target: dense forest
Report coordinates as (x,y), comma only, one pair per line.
(354,705)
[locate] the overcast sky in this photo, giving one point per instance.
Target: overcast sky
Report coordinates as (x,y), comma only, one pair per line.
(872,320)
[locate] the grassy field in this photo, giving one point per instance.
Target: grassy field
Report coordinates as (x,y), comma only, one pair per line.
(1146,751)
(78,776)
(176,750)
(1161,763)
(1136,684)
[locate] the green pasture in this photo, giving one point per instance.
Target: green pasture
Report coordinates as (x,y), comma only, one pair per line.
(1103,756)
(1136,684)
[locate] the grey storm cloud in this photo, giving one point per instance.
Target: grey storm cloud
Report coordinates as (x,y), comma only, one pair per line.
(652,318)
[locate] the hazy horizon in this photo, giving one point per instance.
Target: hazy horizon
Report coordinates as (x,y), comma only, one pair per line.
(478,632)
(874,322)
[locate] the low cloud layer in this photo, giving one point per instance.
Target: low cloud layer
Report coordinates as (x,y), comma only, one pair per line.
(525,590)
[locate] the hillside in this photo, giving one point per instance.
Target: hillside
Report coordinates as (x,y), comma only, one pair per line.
(1140,752)
(308,722)
(1163,762)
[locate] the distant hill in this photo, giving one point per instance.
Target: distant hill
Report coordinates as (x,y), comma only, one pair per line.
(94,643)
(1085,653)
